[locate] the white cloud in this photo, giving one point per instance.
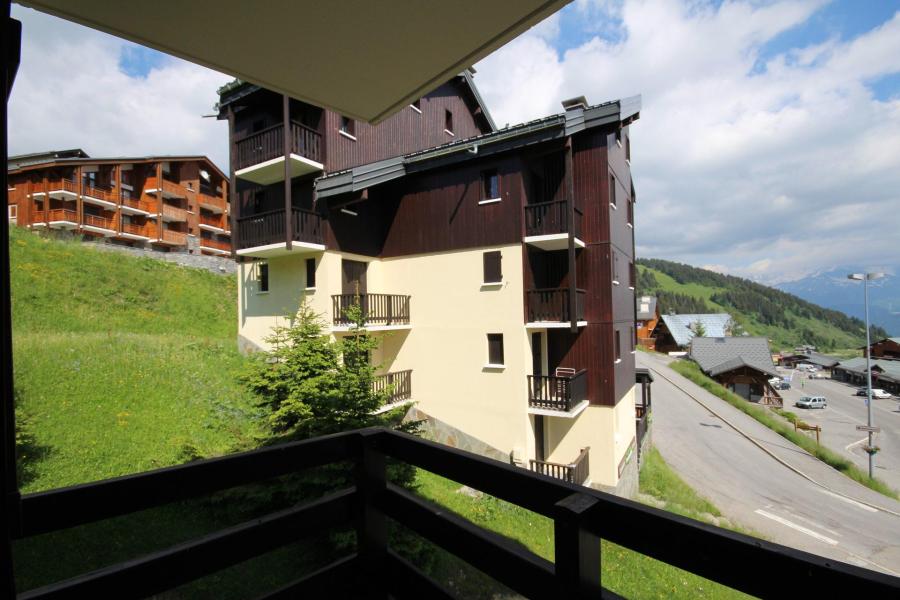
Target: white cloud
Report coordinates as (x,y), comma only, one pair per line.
(769,172)
(70,93)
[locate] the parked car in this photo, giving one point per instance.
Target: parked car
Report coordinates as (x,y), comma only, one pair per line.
(861,392)
(818,375)
(811,402)
(782,385)
(880,394)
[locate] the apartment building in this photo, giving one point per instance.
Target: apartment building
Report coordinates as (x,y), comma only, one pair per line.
(495,266)
(165,203)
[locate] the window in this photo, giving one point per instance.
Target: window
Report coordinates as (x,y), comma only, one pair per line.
(495,349)
(632,276)
(619,136)
(13,212)
(348,126)
(448,122)
(615,268)
(633,339)
(492,270)
(612,190)
(630,212)
(417,105)
(310,272)
(618,346)
(490,185)
(628,149)
(262,275)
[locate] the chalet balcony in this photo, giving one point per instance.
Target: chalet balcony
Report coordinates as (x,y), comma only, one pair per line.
(170,214)
(168,237)
(170,189)
(259,157)
(215,204)
(69,189)
(214,223)
(138,233)
(549,308)
(546,225)
(99,196)
(558,395)
(59,189)
(576,472)
(379,311)
(57,218)
(136,206)
(104,226)
(400,385)
(215,246)
(264,234)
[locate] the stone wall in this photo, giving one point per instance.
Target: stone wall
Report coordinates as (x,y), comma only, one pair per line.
(214,264)
(438,431)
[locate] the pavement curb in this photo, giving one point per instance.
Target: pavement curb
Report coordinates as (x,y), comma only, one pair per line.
(778,459)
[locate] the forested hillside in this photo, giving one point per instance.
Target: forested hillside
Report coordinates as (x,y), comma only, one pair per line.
(784,318)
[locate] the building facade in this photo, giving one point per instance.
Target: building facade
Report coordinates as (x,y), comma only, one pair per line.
(160,203)
(495,266)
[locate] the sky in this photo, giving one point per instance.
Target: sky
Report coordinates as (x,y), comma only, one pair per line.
(768,144)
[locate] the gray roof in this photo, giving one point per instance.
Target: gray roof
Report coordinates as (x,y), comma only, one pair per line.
(645,307)
(717,355)
(889,368)
(818,359)
(23,160)
(715,325)
(533,132)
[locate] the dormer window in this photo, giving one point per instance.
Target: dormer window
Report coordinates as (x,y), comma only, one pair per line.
(348,127)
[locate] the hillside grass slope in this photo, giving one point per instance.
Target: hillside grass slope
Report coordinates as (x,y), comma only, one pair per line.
(783,318)
(122,364)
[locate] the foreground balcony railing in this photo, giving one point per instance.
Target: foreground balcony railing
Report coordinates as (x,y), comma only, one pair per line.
(581,516)
(576,472)
(377,309)
(399,382)
(555,392)
(269,143)
(552,305)
(548,218)
(268,228)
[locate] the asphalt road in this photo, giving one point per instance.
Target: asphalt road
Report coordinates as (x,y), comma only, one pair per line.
(839,419)
(755,490)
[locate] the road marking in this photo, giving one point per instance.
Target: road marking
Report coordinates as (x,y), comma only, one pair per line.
(847,500)
(813,523)
(799,528)
(848,446)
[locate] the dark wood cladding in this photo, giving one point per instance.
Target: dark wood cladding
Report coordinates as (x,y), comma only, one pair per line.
(266,228)
(267,144)
(406,131)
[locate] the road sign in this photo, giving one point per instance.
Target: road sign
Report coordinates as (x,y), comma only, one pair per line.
(873,429)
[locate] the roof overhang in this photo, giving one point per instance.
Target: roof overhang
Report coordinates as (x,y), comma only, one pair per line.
(366,62)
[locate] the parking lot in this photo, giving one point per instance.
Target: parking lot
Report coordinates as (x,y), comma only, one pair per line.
(839,419)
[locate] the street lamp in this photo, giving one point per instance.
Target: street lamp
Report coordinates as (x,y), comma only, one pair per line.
(866,278)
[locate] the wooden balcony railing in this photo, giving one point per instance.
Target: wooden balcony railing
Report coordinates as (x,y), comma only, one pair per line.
(554,392)
(67,185)
(173,213)
(220,221)
(136,229)
(168,187)
(581,516)
(269,143)
(399,384)
(137,203)
(210,201)
(546,218)
(269,228)
(213,243)
(99,192)
(552,305)
(59,214)
(576,472)
(377,309)
(167,235)
(96,221)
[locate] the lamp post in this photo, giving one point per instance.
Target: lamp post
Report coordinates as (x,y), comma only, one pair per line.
(866,278)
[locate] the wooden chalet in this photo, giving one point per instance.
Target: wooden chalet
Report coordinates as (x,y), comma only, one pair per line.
(673,333)
(885,373)
(646,312)
(166,203)
(885,348)
(741,364)
(821,361)
(375,48)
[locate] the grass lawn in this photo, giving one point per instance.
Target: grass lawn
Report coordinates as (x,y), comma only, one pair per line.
(690,370)
(622,571)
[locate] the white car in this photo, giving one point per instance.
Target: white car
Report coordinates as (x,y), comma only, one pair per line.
(811,402)
(880,394)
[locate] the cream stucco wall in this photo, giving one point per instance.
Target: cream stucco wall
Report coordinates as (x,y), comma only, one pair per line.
(596,427)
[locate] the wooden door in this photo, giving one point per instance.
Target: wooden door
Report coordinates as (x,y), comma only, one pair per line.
(353,277)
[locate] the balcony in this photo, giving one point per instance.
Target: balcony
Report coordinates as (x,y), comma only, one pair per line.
(576,472)
(546,226)
(139,233)
(263,235)
(57,218)
(215,246)
(216,223)
(558,395)
(373,568)
(215,204)
(135,206)
(168,237)
(99,196)
(97,224)
(259,157)
(379,311)
(400,385)
(60,189)
(170,214)
(170,189)
(549,308)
